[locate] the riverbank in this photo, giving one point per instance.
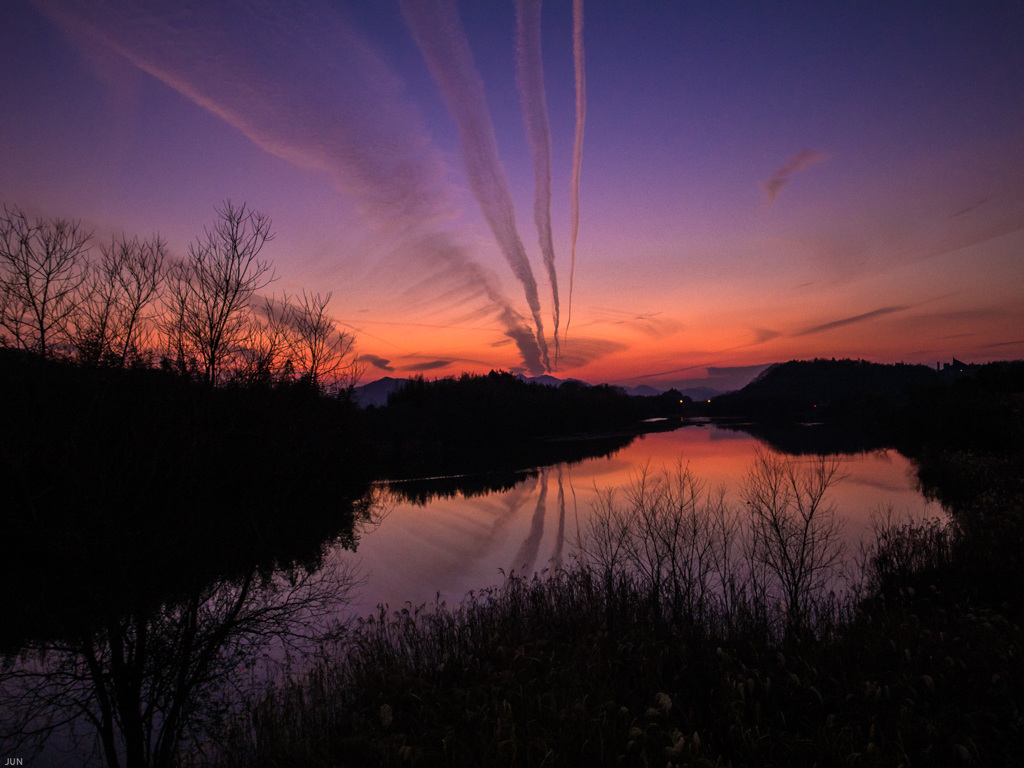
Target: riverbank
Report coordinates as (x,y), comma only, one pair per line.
(917,661)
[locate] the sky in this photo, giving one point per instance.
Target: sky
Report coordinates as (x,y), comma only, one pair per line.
(748,183)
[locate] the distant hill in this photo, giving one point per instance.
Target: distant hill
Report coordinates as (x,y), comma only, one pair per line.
(376,392)
(814,388)
(643,390)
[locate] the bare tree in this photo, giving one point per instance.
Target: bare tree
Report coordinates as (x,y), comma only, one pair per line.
(326,353)
(672,538)
(795,546)
(43,270)
(268,356)
(125,284)
(209,305)
(147,686)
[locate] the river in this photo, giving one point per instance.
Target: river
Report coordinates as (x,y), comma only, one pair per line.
(450,545)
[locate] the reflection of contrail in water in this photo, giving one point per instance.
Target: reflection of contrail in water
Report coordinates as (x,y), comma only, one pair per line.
(577,150)
(438,31)
(557,557)
(526,557)
(575,512)
(530,77)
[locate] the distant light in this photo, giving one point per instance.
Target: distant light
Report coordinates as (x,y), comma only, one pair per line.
(709,401)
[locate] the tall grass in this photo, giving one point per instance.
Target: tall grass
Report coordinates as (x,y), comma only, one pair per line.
(662,644)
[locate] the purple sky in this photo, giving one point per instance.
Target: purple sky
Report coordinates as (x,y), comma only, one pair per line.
(758,182)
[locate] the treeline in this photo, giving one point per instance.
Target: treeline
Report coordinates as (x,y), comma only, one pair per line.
(122,486)
(904,405)
(802,389)
(134,305)
(497,420)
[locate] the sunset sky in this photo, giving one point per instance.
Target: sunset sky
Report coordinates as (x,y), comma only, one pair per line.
(757,182)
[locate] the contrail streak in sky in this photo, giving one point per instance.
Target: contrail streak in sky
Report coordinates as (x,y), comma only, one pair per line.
(577,150)
(343,115)
(530,78)
(438,31)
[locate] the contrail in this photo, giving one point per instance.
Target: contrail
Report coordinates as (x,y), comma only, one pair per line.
(530,78)
(329,104)
(851,320)
(438,31)
(577,150)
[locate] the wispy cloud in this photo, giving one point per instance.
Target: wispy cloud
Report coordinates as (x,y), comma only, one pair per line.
(586,350)
(329,103)
(1003,344)
(656,325)
(798,162)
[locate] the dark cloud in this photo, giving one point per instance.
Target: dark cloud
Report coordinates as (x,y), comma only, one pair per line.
(762,335)
(781,177)
(376,362)
(851,320)
(431,365)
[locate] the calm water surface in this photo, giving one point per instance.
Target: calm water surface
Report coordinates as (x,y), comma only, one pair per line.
(451,546)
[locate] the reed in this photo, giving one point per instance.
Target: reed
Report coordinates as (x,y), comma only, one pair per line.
(611,661)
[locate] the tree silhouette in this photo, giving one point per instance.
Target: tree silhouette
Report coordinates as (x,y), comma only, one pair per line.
(152,684)
(209,303)
(326,353)
(795,544)
(115,315)
(43,269)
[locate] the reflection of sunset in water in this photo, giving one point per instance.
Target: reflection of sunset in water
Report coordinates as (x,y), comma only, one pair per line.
(451,546)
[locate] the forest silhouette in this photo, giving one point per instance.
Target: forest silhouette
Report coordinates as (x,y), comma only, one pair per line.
(178,452)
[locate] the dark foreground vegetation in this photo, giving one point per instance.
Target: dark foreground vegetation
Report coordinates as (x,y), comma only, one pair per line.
(165,536)
(691,634)
(176,457)
(156,554)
